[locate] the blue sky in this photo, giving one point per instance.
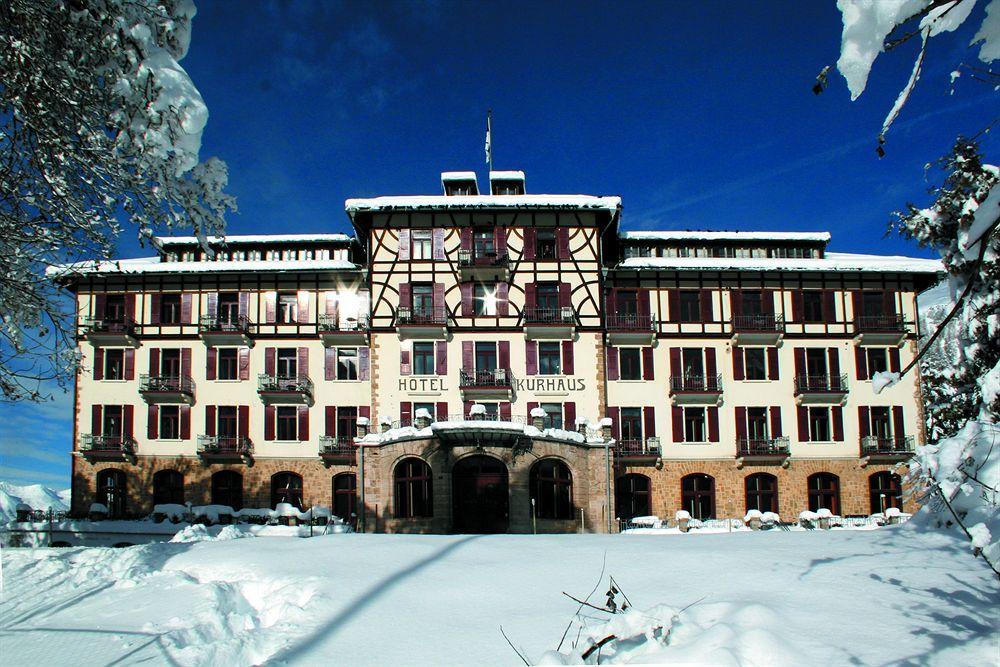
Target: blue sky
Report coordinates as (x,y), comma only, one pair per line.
(700,115)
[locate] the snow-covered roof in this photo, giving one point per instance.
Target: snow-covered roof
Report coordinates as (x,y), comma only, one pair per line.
(707,235)
(458,175)
(146,265)
(834,261)
(259,238)
(482,201)
(508,175)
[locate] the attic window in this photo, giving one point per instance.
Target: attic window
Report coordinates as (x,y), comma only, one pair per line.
(508,187)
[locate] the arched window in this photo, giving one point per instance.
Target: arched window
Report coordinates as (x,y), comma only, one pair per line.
(227,489)
(286,487)
(551,485)
(414,489)
(824,492)
(345,496)
(762,492)
(885,490)
(168,488)
(698,496)
(111,492)
(632,496)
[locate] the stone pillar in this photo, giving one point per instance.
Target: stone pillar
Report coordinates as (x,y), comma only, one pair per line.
(606,428)
(386,424)
(581,426)
(363,424)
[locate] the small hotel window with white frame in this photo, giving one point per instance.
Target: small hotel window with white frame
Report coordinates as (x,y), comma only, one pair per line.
(694,425)
(631,424)
(228,364)
(170,422)
(755,363)
(549,358)
(878,360)
(170,309)
(114,364)
(288,362)
(484,299)
(347,363)
(423,358)
(545,244)
(288,307)
(629,363)
(423,244)
(553,414)
(287,422)
(819,424)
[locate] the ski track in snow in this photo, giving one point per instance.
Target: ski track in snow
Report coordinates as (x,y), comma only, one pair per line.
(861,597)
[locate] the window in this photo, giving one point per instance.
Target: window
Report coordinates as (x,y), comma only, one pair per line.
(229,307)
(486,357)
(872,304)
(492,410)
(114,364)
(288,362)
(816,363)
(885,490)
(423,299)
(694,425)
(755,363)
(287,422)
(631,424)
(631,496)
(545,244)
(812,306)
(484,300)
(698,496)
(170,309)
(752,303)
(762,492)
(880,424)
(114,308)
(112,423)
(225,416)
(819,424)
(170,422)
(227,489)
(484,243)
(168,488)
(627,304)
(824,492)
(288,307)
(692,362)
(347,363)
(111,492)
(551,485)
(878,360)
(553,414)
(345,496)
(429,407)
(414,489)
(549,358)
(347,419)
(547,297)
(422,240)
(170,363)
(286,487)
(229,363)
(629,363)
(423,358)
(690,302)
(757,424)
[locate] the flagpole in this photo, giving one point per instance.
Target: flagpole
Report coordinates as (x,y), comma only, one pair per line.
(489,138)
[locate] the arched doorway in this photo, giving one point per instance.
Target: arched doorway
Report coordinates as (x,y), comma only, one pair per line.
(111,492)
(227,489)
(345,496)
(480,499)
(286,487)
(885,490)
(762,492)
(631,496)
(824,492)
(698,496)
(168,488)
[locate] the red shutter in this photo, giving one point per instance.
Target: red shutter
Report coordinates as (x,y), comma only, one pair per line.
(889,302)
(100,303)
(775,421)
(244,363)
(244,304)
(767,301)
(468,356)
(465,238)
(677,417)
(437,239)
(798,306)
(614,414)
(642,303)
(130,306)
(210,363)
(861,363)
(569,416)
(99,363)
(441,412)
(531,357)
(649,422)
(531,406)
(129,364)
(505,411)
(210,420)
(837,417)
(441,366)
(153,422)
(466,409)
(96,425)
(675,363)
(128,418)
(405,296)
(303,362)
(612,363)
(529,243)
(893,359)
(303,307)
(365,411)
(503,353)
(802,413)
(898,426)
(829,306)
(405,358)
(833,366)
(404,244)
(467,306)
(154,308)
(186,308)
(713,424)
(772,364)
(530,297)
(856,304)
(647,363)
(439,309)
(738,363)
(270,360)
(500,240)
(674,305)
(503,300)
(330,363)
(406,413)
(864,421)
(330,422)
(364,364)
(735,303)
(741,424)
(567,357)
(707,314)
(185,422)
(800,362)
(186,362)
(243,421)
(303,423)
(562,241)
(565,295)
(269,412)
(270,305)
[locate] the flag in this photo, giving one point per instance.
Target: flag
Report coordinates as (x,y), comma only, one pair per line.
(489,139)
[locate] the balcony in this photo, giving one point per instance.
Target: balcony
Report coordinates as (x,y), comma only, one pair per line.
(107,448)
(820,389)
(113,332)
(484,264)
(216,330)
(764,329)
(637,452)
(336,330)
(762,450)
(279,389)
(886,449)
(496,384)
(423,324)
(225,449)
(879,330)
(630,329)
(335,450)
(549,323)
(696,389)
(166,389)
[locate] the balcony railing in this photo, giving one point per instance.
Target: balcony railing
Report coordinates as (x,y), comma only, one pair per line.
(879,323)
(707,384)
(563,315)
(482,257)
(166,384)
(107,444)
(886,445)
(299,384)
(763,446)
(815,384)
(223,445)
(764,323)
(410,316)
(629,322)
(118,326)
(227,325)
(636,447)
(331,323)
(337,446)
(499,377)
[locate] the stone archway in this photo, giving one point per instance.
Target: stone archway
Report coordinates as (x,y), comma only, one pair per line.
(480,495)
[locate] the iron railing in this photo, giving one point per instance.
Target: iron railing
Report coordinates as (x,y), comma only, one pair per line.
(215,324)
(482,257)
(833,384)
(498,377)
(299,384)
(632,447)
(489,417)
(336,445)
(107,443)
(124,326)
(876,444)
(336,323)
(629,322)
(763,446)
(182,384)
(708,384)
(764,323)
(879,323)
(563,315)
(236,445)
(434,316)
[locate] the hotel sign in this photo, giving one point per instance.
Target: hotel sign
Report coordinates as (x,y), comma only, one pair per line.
(550,384)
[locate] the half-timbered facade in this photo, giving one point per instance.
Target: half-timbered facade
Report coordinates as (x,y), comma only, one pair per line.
(496,362)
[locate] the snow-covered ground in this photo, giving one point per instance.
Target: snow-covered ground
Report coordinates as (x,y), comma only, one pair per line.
(34,495)
(893,595)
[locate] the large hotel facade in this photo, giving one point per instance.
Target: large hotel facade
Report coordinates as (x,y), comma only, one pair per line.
(496,362)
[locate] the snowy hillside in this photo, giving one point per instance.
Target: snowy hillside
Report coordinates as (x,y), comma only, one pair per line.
(34,495)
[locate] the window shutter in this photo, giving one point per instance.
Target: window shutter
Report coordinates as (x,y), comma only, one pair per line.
(614,414)
(773,372)
(405,357)
(569,416)
(705,297)
(503,300)
(898,426)
(303,362)
(129,364)
(642,304)
(675,362)
(500,240)
(738,363)
(330,363)
(128,413)
(567,357)
(741,424)
(153,422)
(735,303)
(96,425)
(612,363)
(437,238)
(802,413)
(466,409)
(211,360)
(829,306)
(467,307)
(677,417)
(404,244)
(100,303)
(441,412)
(405,296)
(270,361)
(439,309)
(674,305)
(800,362)
(505,411)
(270,305)
(186,362)
(837,417)
(269,411)
(186,308)
(466,238)
(441,347)
(889,302)
(303,423)
(468,361)
(503,353)
(775,412)
(531,406)
(330,421)
(798,306)
(130,306)
(364,365)
(531,357)
(562,240)
(99,363)
(713,423)
(530,296)
(243,421)
(861,363)
(833,365)
(365,411)
(331,306)
(210,420)
(213,304)
(893,359)
(406,413)
(154,308)
(529,243)
(244,304)
(244,363)
(565,295)
(864,421)
(647,363)
(856,303)
(649,422)
(303,307)
(185,422)
(767,301)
